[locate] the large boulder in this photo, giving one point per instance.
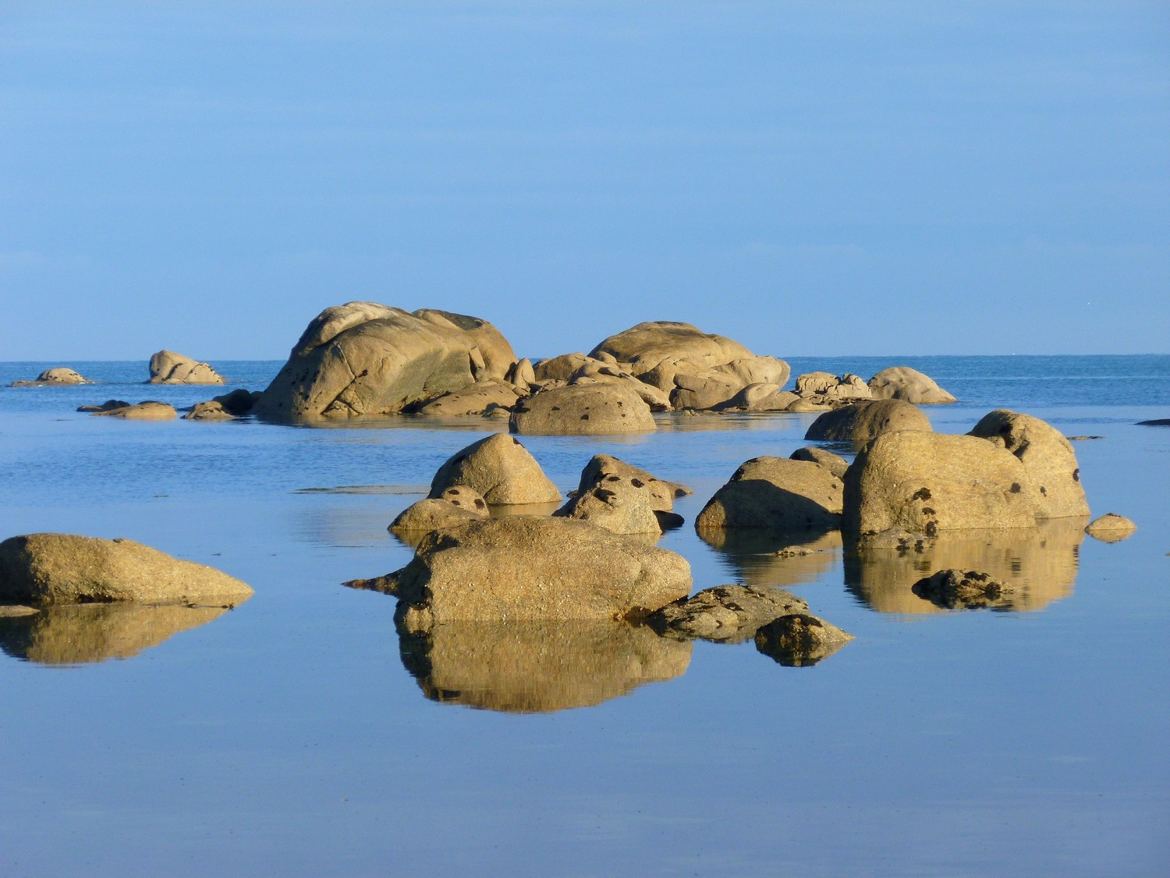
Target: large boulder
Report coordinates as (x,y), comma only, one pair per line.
(1047,456)
(605,468)
(528,568)
(363,359)
(168,367)
(535,667)
(52,568)
(861,422)
(902,382)
(922,482)
(500,469)
(777,494)
(583,409)
(55,377)
(706,369)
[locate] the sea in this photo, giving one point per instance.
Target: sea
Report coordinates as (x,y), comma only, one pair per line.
(298,735)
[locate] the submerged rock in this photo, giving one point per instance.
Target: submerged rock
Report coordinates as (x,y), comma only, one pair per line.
(861,422)
(529,569)
(107,406)
(500,469)
(576,409)
(362,359)
(1047,456)
(538,667)
(168,367)
(775,493)
(52,568)
(1111,528)
(725,613)
(800,640)
(963,589)
(902,382)
(149,410)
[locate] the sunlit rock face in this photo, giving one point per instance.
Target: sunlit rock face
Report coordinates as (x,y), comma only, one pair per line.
(902,382)
(84,633)
(859,423)
(363,359)
(775,493)
(537,667)
(764,558)
(1039,565)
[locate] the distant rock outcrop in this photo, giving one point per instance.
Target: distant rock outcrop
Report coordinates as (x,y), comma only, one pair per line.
(168,367)
(59,376)
(910,385)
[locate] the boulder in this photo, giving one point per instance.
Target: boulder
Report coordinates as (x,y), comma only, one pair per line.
(826,388)
(861,422)
(149,410)
(208,411)
(51,568)
(521,375)
(725,613)
(168,367)
(716,386)
(923,483)
(800,640)
(605,467)
(621,504)
(500,469)
(455,507)
(476,399)
(910,385)
(1110,528)
(577,409)
(57,376)
(561,368)
(777,494)
(761,397)
(834,463)
(963,589)
(538,667)
(527,568)
(1047,456)
(363,359)
(108,406)
(599,372)
(657,351)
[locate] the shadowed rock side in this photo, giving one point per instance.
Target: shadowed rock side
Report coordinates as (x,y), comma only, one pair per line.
(148,410)
(48,568)
(538,667)
(168,367)
(583,409)
(799,640)
(500,469)
(775,493)
(363,359)
(1038,564)
(902,382)
(1047,456)
(763,558)
(82,633)
(861,422)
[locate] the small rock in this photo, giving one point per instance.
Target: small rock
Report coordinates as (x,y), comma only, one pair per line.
(725,613)
(1111,528)
(800,640)
(107,406)
(963,589)
(834,463)
(910,385)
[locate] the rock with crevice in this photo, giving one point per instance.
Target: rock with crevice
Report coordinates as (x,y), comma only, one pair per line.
(622,504)
(500,469)
(169,367)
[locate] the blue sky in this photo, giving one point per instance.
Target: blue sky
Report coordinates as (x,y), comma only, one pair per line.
(810,178)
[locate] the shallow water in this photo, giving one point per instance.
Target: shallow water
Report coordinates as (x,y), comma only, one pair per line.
(291,736)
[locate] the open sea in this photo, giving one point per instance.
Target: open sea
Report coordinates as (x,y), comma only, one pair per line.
(288,737)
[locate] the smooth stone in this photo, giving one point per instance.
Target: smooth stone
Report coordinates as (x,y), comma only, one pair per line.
(861,422)
(500,469)
(910,385)
(583,409)
(1111,528)
(775,493)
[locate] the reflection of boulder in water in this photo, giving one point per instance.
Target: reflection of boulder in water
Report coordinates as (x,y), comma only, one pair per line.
(751,554)
(79,633)
(533,667)
(1039,565)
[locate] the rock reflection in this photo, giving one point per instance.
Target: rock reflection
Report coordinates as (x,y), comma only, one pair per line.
(83,633)
(1040,566)
(537,667)
(763,558)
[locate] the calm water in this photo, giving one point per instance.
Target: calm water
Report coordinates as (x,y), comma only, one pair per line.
(287,736)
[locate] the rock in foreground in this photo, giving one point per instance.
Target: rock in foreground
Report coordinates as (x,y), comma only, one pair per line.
(51,568)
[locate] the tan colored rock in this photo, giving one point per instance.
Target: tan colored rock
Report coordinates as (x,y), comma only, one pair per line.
(621,504)
(168,367)
(16,611)
(71,634)
(560,368)
(1047,456)
(777,494)
(803,406)
(1038,565)
(964,589)
(425,516)
(657,351)
(477,399)
(910,385)
(362,359)
(800,640)
(725,613)
(834,463)
(922,482)
(208,411)
(529,569)
(538,667)
(583,409)
(1111,528)
(760,398)
(149,410)
(716,386)
(521,374)
(861,422)
(49,568)
(500,469)
(826,388)
(599,372)
(55,377)
(604,468)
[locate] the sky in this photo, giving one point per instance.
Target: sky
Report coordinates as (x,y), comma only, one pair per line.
(810,178)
